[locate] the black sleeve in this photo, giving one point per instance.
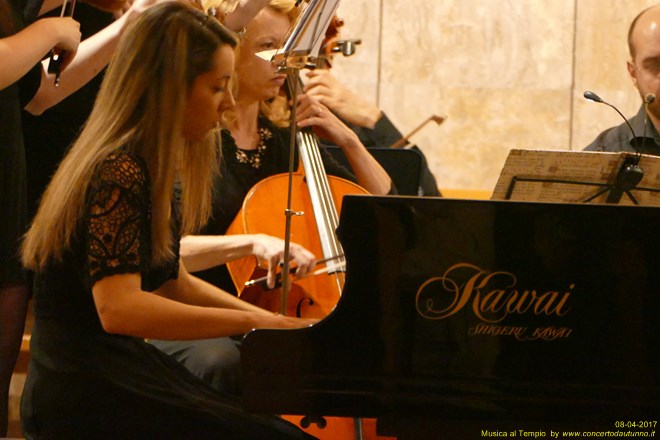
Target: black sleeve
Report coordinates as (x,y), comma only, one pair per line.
(118,234)
(119,227)
(383,134)
(341,168)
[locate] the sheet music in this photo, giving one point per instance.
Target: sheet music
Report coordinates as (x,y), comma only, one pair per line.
(587,173)
(306,35)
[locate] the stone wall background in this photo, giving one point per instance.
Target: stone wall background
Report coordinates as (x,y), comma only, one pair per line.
(507,74)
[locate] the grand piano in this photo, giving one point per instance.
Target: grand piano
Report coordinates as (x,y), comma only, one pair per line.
(464,319)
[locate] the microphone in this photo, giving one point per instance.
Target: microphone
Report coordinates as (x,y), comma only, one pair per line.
(591,96)
(630,173)
(648,99)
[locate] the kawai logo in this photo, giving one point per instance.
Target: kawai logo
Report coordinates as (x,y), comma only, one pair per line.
(492,296)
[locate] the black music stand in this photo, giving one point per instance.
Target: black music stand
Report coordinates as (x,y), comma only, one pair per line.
(303,41)
(301,47)
(571,176)
(404,166)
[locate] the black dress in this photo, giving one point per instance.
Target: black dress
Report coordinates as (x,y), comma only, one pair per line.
(238,174)
(88,384)
(12,186)
(12,164)
(49,135)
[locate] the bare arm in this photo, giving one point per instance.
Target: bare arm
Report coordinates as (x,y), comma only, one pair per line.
(244,12)
(201,252)
(185,308)
(369,173)
(93,55)
(21,51)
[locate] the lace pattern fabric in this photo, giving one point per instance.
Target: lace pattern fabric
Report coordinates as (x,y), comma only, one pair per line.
(120,383)
(119,218)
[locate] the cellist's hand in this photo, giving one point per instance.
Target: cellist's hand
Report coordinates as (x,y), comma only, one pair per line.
(311,113)
(369,173)
(271,249)
(322,85)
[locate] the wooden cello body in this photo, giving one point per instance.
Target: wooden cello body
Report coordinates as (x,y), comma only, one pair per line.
(315,198)
(316,296)
(263,211)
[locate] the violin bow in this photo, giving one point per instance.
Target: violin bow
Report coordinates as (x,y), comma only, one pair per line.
(278,280)
(404,140)
(56,57)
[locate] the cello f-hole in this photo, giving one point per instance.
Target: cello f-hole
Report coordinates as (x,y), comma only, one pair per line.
(301,303)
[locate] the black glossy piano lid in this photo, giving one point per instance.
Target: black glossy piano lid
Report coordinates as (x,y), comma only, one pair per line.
(535,291)
(484,306)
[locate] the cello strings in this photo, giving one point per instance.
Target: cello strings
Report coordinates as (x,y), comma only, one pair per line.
(320,182)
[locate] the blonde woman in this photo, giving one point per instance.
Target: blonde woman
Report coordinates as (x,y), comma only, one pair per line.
(254,147)
(104,248)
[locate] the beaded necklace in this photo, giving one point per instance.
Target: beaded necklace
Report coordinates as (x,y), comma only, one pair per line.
(253,157)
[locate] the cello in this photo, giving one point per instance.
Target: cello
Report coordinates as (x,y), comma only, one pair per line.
(314,207)
(315,204)
(316,201)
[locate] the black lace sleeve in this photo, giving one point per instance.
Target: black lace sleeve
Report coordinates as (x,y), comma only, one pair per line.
(118,227)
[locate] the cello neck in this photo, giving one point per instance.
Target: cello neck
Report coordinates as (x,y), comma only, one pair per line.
(325,211)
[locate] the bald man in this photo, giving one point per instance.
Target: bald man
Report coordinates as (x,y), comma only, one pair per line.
(644,69)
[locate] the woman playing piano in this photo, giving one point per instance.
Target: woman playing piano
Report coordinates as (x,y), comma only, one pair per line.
(254,147)
(104,247)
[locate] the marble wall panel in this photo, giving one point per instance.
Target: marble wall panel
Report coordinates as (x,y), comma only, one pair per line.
(501,70)
(507,73)
(360,71)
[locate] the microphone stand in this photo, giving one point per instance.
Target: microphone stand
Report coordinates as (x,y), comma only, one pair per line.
(630,173)
(628,176)
(293,74)
(301,45)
